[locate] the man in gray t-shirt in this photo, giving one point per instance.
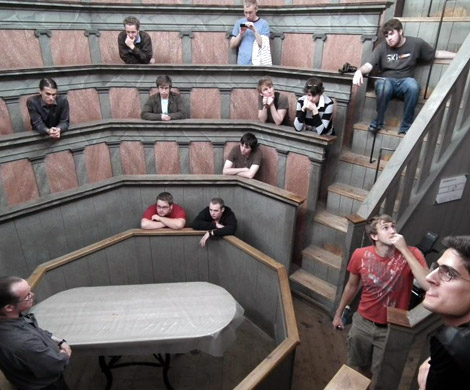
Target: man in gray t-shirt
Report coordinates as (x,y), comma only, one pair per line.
(396,58)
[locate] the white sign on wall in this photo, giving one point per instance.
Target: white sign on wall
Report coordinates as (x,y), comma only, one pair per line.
(451,189)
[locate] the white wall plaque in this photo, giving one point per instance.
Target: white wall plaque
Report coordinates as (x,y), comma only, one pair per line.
(451,189)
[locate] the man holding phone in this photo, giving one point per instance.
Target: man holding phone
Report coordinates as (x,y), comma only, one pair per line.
(135,46)
(248,30)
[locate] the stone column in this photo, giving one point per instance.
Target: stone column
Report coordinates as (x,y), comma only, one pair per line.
(149,149)
(14,109)
(232,53)
(42,181)
(80,166)
(281,167)
(94,45)
(319,40)
(105,103)
(312,198)
(276,47)
(184,157)
(186,37)
(225,94)
(218,156)
(44,42)
(3,197)
(360,97)
(115,155)
(185,93)
(144,94)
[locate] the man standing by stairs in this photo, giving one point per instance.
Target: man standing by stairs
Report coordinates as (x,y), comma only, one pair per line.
(396,59)
(385,270)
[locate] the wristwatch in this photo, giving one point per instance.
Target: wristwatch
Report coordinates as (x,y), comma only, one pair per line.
(61,342)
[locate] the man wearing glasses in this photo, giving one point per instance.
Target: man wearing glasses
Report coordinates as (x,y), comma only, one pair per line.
(449,296)
(30,357)
(385,271)
(164,214)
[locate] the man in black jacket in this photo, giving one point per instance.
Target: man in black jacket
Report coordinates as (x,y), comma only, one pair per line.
(217,219)
(135,46)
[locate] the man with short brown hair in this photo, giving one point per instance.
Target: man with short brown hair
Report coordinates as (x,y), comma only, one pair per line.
(164,214)
(135,46)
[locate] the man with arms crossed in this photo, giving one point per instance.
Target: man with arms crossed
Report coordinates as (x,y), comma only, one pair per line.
(164,214)
(397,58)
(385,270)
(217,219)
(245,159)
(248,30)
(49,113)
(135,46)
(31,358)
(449,296)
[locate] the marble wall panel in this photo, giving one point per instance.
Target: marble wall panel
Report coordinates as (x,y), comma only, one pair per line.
(20,49)
(167,47)
(298,50)
(210,48)
(98,163)
(84,105)
(19,182)
(133,158)
(70,48)
(310,2)
(213,2)
(24,112)
(125,103)
(167,158)
(244,104)
(201,158)
(268,170)
(5,123)
(267,3)
(292,97)
(205,103)
(60,168)
(298,173)
(339,49)
(162,1)
(109,47)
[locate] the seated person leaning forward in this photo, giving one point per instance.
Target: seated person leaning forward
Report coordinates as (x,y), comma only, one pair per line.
(135,46)
(314,110)
(164,214)
(49,112)
(272,106)
(165,105)
(244,159)
(217,219)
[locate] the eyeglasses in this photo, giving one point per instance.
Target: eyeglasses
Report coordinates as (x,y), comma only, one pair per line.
(162,207)
(446,273)
(28,297)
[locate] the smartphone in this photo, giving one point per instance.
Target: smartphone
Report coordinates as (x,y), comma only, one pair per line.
(242,25)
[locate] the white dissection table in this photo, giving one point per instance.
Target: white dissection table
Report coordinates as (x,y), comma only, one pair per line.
(159,319)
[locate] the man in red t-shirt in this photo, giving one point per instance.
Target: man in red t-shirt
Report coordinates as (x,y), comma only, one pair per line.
(164,213)
(385,271)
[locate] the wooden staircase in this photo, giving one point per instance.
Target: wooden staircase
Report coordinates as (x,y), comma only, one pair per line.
(319,275)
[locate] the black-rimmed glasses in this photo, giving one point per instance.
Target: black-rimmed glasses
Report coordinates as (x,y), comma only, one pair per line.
(446,273)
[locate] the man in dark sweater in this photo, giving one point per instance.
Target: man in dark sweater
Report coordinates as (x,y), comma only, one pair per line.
(135,46)
(217,219)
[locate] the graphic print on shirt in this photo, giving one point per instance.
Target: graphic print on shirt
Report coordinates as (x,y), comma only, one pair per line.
(384,277)
(395,57)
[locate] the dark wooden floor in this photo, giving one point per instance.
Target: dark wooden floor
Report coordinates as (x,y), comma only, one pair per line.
(320,355)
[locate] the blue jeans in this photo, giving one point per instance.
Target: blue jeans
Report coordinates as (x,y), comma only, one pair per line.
(407,88)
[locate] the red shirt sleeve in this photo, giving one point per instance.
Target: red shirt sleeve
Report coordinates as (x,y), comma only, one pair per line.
(151,210)
(177,212)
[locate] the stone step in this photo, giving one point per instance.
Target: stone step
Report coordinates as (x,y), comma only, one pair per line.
(331,220)
(357,171)
(344,199)
(321,263)
(320,291)
(363,140)
(329,229)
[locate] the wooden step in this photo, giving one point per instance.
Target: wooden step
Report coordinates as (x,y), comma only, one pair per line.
(387,130)
(314,284)
(360,159)
(331,220)
(322,255)
(348,191)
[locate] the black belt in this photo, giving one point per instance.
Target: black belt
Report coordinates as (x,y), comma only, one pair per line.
(378,325)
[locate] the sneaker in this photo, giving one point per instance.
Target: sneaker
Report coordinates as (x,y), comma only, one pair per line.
(402,131)
(374,128)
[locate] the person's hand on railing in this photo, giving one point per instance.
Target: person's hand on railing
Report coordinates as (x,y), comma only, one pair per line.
(358,78)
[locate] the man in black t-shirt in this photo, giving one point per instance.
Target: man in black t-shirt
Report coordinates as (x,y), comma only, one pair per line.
(396,59)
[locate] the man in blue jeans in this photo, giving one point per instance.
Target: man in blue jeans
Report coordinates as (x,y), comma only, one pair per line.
(396,59)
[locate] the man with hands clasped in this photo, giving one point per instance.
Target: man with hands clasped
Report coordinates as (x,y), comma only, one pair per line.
(385,271)
(135,46)
(164,214)
(272,106)
(246,31)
